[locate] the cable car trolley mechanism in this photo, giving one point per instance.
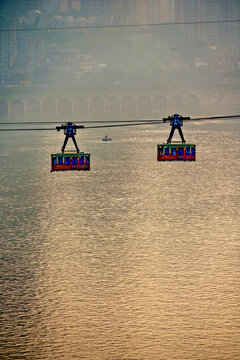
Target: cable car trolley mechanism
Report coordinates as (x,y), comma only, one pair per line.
(71,160)
(176,151)
(76,160)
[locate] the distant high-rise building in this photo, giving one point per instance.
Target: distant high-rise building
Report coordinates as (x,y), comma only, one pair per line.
(76,4)
(225,34)
(121,11)
(12,48)
(65,5)
(2,51)
(8,48)
(32,4)
(31,53)
(152,11)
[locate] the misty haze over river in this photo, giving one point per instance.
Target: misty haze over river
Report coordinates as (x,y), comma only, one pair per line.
(134,259)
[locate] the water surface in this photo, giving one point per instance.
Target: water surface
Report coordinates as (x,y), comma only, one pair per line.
(135,259)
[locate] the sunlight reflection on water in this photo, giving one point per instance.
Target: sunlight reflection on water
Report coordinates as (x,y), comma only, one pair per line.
(134,260)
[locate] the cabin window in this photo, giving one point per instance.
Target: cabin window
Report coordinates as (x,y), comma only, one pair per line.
(193,150)
(87,160)
(67,161)
(173,151)
(54,161)
(160,150)
(166,151)
(81,160)
(180,151)
(74,160)
(60,161)
(187,152)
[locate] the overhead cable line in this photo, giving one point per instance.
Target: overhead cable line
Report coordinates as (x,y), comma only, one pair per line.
(138,123)
(118,125)
(215,117)
(30,129)
(87,127)
(75,121)
(116,121)
(123,25)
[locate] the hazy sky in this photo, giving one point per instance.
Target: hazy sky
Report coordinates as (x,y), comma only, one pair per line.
(193,55)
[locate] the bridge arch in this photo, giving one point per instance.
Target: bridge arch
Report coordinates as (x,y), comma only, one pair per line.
(159,103)
(49,105)
(80,104)
(96,105)
(144,104)
(113,104)
(191,100)
(32,105)
(17,106)
(128,104)
(3,107)
(64,104)
(176,101)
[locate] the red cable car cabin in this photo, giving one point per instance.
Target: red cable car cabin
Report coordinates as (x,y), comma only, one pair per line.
(176,152)
(70,161)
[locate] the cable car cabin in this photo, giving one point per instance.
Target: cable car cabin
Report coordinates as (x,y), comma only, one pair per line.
(176,152)
(70,161)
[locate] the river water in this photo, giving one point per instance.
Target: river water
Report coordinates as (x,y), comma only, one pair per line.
(136,259)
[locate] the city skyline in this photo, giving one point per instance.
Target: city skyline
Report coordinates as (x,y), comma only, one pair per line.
(25,52)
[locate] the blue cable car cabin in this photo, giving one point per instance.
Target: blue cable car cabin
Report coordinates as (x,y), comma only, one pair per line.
(176,152)
(70,161)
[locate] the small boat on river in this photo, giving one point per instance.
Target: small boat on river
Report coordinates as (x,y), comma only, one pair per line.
(106,138)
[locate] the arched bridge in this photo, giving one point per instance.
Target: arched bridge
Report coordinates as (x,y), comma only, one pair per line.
(119,104)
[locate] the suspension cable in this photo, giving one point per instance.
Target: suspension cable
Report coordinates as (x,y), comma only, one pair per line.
(132,123)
